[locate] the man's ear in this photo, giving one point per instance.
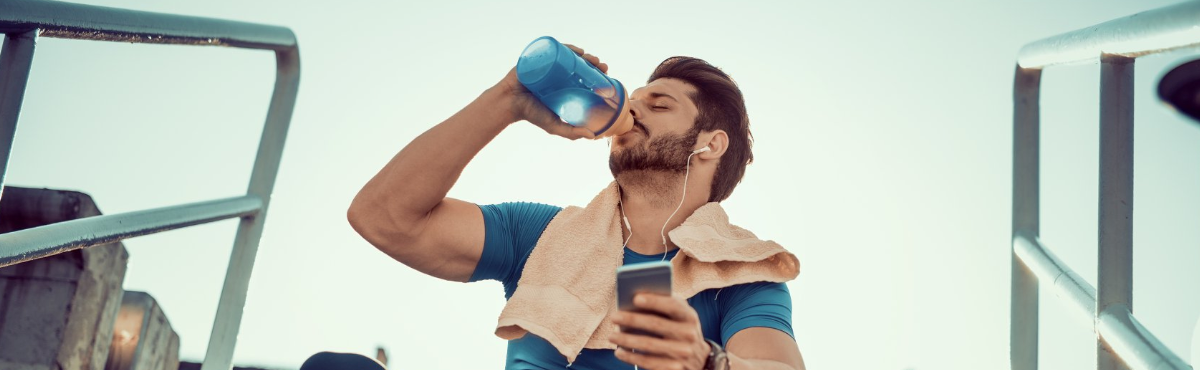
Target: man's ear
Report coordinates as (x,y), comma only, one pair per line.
(717,142)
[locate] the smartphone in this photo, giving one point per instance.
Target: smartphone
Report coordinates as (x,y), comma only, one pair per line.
(649,277)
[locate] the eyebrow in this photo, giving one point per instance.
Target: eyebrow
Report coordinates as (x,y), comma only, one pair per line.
(661,95)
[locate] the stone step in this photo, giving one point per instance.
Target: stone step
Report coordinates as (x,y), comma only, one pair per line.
(57,312)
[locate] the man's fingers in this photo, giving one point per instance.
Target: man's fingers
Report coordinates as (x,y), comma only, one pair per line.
(554,126)
(651,345)
(562,129)
(674,308)
(656,325)
(594,60)
(583,133)
(570,132)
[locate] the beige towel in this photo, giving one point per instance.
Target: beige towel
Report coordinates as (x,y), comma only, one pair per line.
(568,287)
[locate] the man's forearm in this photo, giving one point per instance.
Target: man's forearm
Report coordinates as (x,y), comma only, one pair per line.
(421,174)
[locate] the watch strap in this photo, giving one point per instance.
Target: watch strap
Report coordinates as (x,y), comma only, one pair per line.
(717,358)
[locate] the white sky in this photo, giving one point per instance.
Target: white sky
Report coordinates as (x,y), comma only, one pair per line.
(883,161)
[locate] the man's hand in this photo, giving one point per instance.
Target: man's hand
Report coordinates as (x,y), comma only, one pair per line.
(522,105)
(682,346)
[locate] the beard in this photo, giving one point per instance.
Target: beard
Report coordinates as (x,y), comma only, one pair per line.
(667,153)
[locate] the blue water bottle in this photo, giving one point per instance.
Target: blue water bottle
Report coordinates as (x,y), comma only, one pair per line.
(574,89)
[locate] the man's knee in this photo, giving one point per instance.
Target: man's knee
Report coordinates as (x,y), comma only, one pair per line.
(340,361)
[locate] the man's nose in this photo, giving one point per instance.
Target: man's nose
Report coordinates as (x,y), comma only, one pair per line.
(635,108)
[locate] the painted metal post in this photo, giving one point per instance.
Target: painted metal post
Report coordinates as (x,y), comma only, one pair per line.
(1116,196)
(1023,335)
(262,180)
(15,61)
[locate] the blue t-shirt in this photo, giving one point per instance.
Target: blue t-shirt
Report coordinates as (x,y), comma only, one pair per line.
(513,229)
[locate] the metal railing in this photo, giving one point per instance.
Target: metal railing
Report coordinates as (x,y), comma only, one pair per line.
(23,21)
(1121,341)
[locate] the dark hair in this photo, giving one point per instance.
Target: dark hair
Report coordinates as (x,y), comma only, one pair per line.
(721,107)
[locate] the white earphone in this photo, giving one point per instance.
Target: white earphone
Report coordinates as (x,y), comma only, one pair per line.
(701,150)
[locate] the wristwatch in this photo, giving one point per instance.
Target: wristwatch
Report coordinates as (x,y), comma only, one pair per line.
(717,360)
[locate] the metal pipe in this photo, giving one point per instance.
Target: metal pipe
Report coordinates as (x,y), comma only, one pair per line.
(89,22)
(1115,283)
(1154,31)
(1116,43)
(223,339)
(15,62)
(1132,343)
(29,244)
(1136,346)
(1023,336)
(1048,268)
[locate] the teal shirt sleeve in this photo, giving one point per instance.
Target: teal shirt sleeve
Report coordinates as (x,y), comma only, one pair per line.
(755,305)
(511,231)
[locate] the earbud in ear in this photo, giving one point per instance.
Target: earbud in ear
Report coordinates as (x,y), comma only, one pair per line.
(701,150)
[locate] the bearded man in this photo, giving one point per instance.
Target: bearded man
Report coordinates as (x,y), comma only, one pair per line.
(687,151)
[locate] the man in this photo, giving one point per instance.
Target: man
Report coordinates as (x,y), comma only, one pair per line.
(689,147)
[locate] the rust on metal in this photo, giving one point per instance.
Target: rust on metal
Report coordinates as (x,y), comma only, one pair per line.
(97,35)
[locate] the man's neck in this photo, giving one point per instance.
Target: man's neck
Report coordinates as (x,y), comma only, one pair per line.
(649,198)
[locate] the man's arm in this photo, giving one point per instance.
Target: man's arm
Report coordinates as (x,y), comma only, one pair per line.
(404,211)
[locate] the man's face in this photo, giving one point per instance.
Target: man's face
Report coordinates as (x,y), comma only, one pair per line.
(662,135)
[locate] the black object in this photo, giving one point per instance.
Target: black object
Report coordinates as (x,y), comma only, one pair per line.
(1180,88)
(340,361)
(717,358)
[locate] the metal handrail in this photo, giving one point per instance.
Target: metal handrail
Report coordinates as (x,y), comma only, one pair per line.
(23,21)
(1068,285)
(89,22)
(43,241)
(1150,32)
(1136,345)
(1116,324)
(1121,341)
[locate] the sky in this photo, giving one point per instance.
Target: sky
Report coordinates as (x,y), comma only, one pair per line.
(883,161)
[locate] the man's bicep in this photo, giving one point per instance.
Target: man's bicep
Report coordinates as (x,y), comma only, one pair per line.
(449,243)
(769,344)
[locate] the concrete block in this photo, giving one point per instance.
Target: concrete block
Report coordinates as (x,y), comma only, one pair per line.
(57,312)
(142,336)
